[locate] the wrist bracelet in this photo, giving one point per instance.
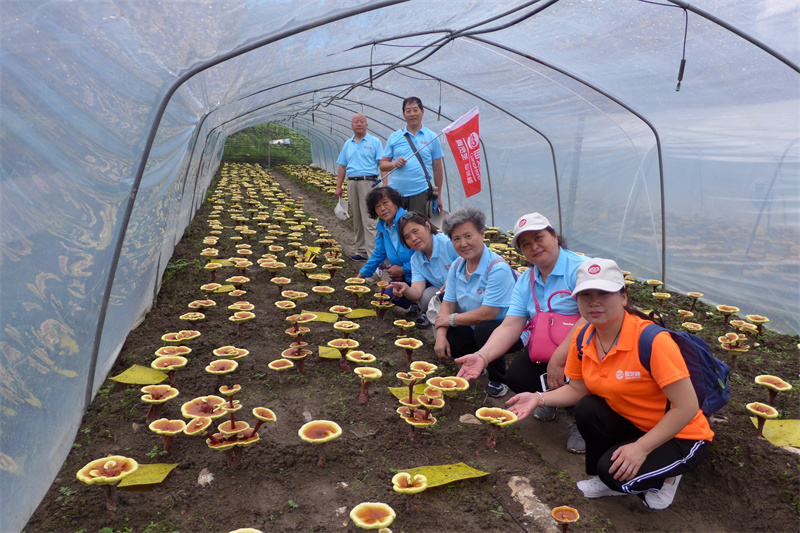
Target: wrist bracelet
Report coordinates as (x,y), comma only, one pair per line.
(453,319)
(541,396)
(485,359)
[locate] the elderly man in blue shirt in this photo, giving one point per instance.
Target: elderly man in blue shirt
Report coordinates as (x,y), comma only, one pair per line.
(358,162)
(408,176)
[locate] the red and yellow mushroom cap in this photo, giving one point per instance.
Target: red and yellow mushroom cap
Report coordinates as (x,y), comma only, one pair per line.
(222,366)
(169,362)
(197,425)
(108,470)
(496,416)
(166,351)
(361,358)
(156,394)
(241,316)
(773,383)
(367,373)
(424,367)
(408,343)
(207,406)
(762,410)
(340,310)
(192,317)
(372,515)
(319,431)
(281,365)
(565,514)
(448,384)
(405,483)
(230,352)
(166,427)
(264,414)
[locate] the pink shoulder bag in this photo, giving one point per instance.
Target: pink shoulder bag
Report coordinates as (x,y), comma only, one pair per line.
(548,329)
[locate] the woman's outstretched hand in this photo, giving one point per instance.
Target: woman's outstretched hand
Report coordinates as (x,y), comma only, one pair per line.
(472,366)
(523,404)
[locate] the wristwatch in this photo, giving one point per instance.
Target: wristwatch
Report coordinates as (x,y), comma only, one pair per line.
(453,319)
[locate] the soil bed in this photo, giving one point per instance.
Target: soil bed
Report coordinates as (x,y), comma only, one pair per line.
(746,484)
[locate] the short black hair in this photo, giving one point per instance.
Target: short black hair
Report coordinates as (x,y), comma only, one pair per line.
(413,100)
(375,196)
(417,218)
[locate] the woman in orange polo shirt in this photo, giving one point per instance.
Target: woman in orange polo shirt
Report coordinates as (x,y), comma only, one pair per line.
(634,444)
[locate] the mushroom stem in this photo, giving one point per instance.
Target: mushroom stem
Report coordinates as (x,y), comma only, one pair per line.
(171,375)
(111,500)
(241,329)
(564,527)
(343,363)
(761,422)
(213,276)
(168,440)
(411,390)
(772,395)
(301,365)
(364,397)
(492,441)
(414,435)
(321,462)
(220,380)
(408,356)
(355,300)
(411,507)
(154,413)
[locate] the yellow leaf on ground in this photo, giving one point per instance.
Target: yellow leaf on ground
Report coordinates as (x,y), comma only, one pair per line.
(323,317)
(361,313)
(444,474)
(224,289)
(326,352)
(222,262)
(140,375)
(402,392)
(148,475)
(781,432)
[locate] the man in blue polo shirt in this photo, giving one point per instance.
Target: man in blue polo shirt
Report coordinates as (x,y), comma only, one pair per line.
(407,175)
(358,162)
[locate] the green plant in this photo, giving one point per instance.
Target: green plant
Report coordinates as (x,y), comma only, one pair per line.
(292,505)
(155,452)
(499,511)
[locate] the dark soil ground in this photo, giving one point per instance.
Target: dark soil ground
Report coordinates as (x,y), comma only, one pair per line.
(746,484)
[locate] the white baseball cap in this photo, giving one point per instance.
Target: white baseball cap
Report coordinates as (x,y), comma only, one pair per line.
(600,274)
(529,222)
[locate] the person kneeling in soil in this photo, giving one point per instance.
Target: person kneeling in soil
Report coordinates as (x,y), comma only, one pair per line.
(430,264)
(643,430)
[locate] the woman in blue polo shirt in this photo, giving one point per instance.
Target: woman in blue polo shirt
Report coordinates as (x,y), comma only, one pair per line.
(433,255)
(383,203)
(479,287)
(554,269)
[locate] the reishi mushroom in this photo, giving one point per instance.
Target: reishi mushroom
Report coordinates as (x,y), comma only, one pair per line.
(168,429)
(107,472)
(758,320)
(409,344)
(367,374)
(343,345)
(372,515)
(319,432)
(565,516)
(404,483)
(774,385)
(763,412)
(498,418)
(156,395)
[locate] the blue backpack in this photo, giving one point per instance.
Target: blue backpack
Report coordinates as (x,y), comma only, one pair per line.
(709,375)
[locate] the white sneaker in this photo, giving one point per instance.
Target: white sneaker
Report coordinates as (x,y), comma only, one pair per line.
(663,498)
(595,488)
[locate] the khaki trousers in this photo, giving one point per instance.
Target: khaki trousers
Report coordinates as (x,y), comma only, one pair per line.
(365,228)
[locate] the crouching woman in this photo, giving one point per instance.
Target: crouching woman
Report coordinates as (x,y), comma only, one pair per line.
(643,430)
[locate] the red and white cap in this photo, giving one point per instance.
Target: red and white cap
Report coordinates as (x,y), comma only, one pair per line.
(600,274)
(529,222)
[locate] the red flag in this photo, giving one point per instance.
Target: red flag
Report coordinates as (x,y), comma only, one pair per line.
(464,141)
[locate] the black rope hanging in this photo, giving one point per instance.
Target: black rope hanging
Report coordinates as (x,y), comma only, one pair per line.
(683,58)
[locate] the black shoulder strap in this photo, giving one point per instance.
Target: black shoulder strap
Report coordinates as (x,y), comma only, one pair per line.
(419,158)
(579,340)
